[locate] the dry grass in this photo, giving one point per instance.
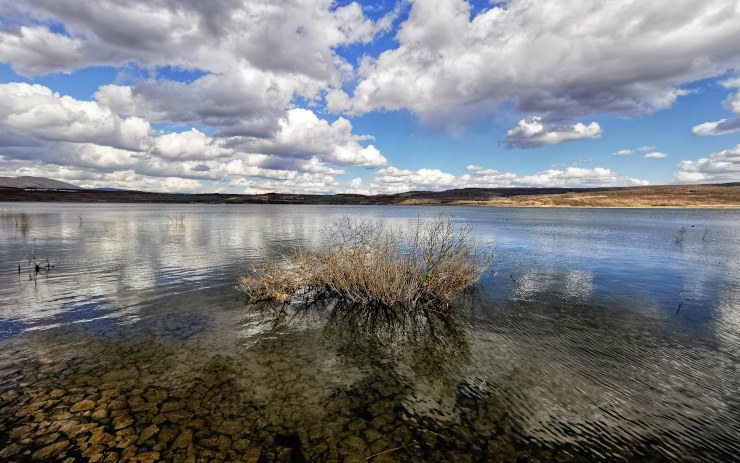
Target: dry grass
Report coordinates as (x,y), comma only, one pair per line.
(368,265)
(677,196)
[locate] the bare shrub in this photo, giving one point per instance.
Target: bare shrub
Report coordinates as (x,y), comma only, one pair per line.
(369,265)
(679,235)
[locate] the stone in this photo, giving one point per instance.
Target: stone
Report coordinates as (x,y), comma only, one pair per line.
(94,453)
(166,435)
(223,443)
(100,437)
(50,450)
(117,404)
(148,433)
(127,441)
(9,451)
(82,406)
(179,416)
(121,422)
(172,406)
(148,456)
(230,428)
(184,440)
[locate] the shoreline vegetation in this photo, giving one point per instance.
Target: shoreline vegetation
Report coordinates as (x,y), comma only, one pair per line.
(726,195)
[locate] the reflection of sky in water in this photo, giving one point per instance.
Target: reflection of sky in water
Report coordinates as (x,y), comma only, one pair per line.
(132,253)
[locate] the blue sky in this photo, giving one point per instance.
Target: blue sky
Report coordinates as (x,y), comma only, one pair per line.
(372,97)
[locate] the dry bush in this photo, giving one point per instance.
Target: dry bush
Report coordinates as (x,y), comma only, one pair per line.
(368,265)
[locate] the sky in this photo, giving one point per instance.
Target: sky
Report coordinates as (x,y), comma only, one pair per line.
(320,96)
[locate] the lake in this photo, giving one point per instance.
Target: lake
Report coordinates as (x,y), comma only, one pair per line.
(595,336)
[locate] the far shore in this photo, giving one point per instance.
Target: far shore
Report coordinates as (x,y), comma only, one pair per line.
(713,196)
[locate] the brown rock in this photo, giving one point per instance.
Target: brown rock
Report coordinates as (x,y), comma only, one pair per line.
(230,428)
(147,456)
(223,443)
(50,450)
(180,416)
(121,422)
(172,406)
(82,406)
(10,450)
(166,435)
(100,437)
(183,440)
(127,441)
(252,455)
(148,433)
(94,453)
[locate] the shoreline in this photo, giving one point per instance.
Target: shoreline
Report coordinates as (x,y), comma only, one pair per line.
(713,196)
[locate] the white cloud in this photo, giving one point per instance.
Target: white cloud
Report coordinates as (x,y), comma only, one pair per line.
(532,132)
(630,152)
(192,145)
(728,125)
(394,180)
(563,59)
(41,126)
(36,50)
(624,153)
(655,155)
(301,133)
(36,112)
(720,127)
(301,184)
(717,168)
(243,101)
(297,37)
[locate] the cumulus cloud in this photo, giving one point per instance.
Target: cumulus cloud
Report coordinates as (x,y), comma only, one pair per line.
(717,168)
(533,132)
(35,111)
(655,155)
(720,127)
(563,59)
(728,125)
(302,133)
(240,102)
(91,178)
(306,183)
(394,180)
(37,50)
(39,126)
(297,37)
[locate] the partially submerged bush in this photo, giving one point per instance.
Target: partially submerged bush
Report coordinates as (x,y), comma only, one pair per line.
(366,264)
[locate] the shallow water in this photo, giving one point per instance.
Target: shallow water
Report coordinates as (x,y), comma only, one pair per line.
(594,337)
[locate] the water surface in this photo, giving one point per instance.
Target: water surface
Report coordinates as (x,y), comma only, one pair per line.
(595,336)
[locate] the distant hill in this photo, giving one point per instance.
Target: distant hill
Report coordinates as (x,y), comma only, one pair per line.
(36,182)
(726,195)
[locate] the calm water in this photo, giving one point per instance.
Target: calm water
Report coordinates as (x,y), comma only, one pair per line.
(594,337)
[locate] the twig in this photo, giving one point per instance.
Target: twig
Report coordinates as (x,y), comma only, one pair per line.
(383,452)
